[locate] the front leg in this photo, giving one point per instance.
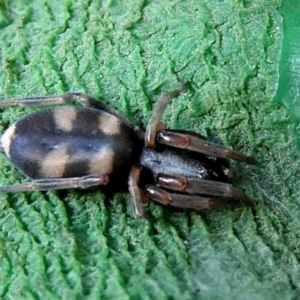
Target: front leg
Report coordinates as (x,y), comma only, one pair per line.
(198,186)
(191,142)
(182,200)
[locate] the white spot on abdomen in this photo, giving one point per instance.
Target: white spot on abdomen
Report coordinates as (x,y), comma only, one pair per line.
(102,161)
(54,164)
(109,124)
(7,138)
(64,118)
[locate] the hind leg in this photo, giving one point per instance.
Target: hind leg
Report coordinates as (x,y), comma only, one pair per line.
(57,184)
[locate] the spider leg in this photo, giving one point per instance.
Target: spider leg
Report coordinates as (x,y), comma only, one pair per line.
(188,132)
(154,124)
(190,142)
(57,183)
(184,201)
(82,99)
(201,186)
(138,198)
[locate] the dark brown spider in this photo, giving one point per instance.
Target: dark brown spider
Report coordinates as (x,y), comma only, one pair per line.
(83,147)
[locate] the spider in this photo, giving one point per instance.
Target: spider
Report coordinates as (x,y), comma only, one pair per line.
(82,147)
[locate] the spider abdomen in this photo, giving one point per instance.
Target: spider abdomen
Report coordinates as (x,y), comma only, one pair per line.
(71,142)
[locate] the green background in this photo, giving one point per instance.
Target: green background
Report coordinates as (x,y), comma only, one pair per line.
(244,61)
